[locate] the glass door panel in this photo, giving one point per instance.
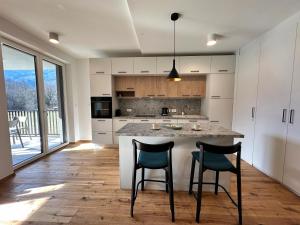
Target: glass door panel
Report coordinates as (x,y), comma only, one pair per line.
(53,93)
(22,101)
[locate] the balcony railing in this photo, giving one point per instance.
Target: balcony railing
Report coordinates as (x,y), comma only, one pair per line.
(53,121)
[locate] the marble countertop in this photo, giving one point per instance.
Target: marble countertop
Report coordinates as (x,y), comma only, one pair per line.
(144,129)
(198,117)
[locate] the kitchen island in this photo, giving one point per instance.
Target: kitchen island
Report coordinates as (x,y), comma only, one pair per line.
(185,142)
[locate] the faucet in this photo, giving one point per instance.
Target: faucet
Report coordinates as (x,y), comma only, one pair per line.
(183,112)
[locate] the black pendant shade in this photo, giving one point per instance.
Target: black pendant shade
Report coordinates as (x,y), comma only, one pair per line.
(173,75)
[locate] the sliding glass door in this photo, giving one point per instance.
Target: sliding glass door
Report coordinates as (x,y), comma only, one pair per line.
(21,86)
(35,101)
(54,104)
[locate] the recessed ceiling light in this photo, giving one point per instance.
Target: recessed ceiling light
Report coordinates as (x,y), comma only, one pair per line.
(53,38)
(211,39)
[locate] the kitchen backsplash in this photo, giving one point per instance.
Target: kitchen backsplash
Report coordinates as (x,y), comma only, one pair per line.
(153,106)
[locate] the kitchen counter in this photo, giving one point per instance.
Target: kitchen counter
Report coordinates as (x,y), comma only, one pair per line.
(184,144)
(198,117)
(144,129)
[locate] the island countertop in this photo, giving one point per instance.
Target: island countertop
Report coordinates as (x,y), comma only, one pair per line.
(144,129)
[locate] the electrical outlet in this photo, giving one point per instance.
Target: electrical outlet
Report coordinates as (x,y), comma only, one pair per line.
(173,110)
(129,110)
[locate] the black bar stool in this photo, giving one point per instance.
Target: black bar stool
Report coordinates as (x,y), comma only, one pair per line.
(212,157)
(157,156)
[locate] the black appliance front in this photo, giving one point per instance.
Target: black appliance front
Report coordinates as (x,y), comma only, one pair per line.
(101,107)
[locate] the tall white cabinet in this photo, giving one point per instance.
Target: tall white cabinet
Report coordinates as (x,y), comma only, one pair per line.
(274,89)
(267,104)
(245,100)
(291,175)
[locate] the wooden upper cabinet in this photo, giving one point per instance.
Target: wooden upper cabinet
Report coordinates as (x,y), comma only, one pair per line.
(164,64)
(145,65)
(172,88)
(122,66)
(195,64)
(191,87)
(100,66)
(125,83)
(223,64)
(161,86)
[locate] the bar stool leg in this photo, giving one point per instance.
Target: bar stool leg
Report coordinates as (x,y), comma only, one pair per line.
(171,194)
(239,189)
(143,177)
(133,190)
(217,182)
(199,193)
(167,180)
(192,176)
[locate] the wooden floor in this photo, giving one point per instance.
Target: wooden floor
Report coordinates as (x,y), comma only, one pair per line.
(80,186)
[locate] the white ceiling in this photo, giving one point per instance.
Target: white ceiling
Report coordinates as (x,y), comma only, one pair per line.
(99,28)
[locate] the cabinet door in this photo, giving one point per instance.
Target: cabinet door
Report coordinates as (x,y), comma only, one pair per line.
(165,64)
(220,85)
(222,64)
(291,176)
(246,96)
(119,123)
(161,87)
(198,86)
(100,66)
(122,66)
(102,138)
(184,87)
(274,89)
(220,112)
(102,125)
(172,88)
(195,64)
(100,85)
(149,86)
(126,83)
(145,65)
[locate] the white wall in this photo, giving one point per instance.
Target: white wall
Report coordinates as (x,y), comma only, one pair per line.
(84,110)
(5,154)
(14,33)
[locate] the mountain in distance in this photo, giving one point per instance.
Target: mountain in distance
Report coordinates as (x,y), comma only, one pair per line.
(29,76)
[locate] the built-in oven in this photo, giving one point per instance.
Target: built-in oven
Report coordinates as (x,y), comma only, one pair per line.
(101,107)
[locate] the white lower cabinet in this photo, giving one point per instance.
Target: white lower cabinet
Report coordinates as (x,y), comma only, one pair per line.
(117,125)
(102,131)
(102,138)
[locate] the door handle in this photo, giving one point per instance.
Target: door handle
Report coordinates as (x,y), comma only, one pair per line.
(283,119)
(253,112)
(292,115)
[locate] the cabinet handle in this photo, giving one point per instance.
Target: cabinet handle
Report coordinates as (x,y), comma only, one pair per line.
(161,95)
(185,95)
(194,71)
(144,120)
(253,112)
(100,72)
(101,120)
(106,94)
(166,120)
(223,70)
(151,95)
(192,121)
(101,133)
(216,96)
(130,88)
(197,95)
(144,71)
(283,119)
(292,115)
(122,72)
(167,71)
(214,121)
(123,120)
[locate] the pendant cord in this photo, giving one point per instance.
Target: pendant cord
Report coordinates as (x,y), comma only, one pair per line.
(174,39)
